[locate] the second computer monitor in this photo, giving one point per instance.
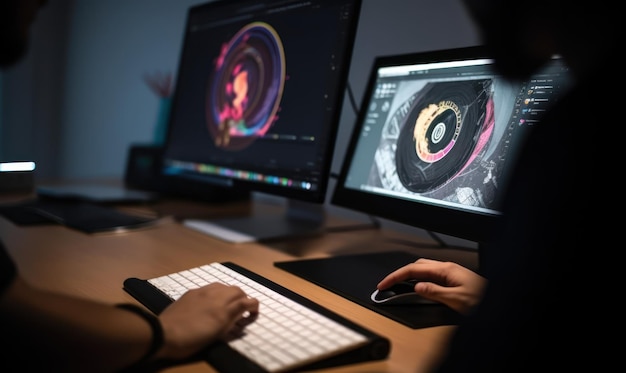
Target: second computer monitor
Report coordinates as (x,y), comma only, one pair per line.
(437,136)
(259,93)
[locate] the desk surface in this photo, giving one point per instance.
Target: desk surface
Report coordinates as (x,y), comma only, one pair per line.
(95,266)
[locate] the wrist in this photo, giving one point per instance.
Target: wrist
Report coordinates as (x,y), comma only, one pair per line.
(157,340)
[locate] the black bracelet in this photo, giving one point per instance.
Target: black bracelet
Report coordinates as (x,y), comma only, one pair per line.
(155,324)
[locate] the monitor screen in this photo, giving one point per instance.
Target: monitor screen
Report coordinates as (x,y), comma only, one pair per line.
(258,98)
(436,135)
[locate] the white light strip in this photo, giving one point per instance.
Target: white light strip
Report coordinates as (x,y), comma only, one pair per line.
(406,69)
(17,166)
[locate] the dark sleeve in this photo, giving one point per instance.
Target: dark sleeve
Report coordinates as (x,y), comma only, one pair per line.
(7,269)
(548,263)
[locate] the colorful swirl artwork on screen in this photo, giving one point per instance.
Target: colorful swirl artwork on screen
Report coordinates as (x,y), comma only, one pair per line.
(445,128)
(436,140)
(246,87)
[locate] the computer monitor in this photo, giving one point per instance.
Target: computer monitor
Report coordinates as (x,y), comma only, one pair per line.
(436,137)
(258,98)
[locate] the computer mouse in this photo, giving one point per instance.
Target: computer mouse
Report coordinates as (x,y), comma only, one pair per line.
(399,293)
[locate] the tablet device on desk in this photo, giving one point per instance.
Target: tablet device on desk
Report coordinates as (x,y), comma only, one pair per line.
(89,217)
(96,193)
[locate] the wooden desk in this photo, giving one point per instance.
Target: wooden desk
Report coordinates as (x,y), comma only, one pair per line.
(95,266)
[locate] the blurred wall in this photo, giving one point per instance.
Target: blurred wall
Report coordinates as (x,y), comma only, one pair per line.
(78,100)
(32,93)
(113,44)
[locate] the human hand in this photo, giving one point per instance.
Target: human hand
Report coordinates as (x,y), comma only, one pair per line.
(202,316)
(445,282)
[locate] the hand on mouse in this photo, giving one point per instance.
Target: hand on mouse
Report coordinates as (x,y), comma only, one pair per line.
(445,282)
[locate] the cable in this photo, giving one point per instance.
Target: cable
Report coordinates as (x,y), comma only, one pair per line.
(355,107)
(436,237)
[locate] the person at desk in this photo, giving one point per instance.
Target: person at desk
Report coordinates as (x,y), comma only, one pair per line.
(531,309)
(58,332)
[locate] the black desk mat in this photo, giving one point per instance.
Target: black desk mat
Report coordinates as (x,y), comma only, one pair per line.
(355,276)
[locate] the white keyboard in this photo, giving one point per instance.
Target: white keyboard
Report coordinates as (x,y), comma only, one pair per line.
(286,334)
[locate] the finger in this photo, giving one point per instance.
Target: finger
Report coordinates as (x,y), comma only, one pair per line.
(236,331)
(425,260)
(396,276)
(241,304)
(246,318)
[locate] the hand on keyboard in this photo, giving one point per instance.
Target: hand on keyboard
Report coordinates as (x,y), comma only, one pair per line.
(202,315)
(288,333)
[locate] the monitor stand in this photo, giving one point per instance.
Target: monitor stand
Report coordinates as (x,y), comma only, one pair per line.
(298,219)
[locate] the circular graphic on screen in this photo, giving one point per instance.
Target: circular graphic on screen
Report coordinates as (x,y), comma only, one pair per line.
(246,87)
(447,124)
